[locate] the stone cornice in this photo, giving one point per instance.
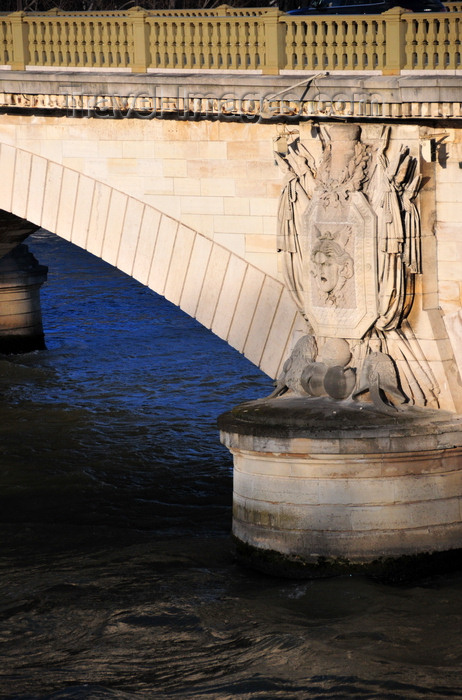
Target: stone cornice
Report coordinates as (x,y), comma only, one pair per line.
(189,95)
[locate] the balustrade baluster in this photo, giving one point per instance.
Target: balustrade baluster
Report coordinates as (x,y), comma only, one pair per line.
(323,44)
(125,43)
(448,44)
(192,44)
(4,43)
(181,45)
(98,44)
(331,45)
(199,45)
(433,32)
(106,45)
(372,45)
(363,45)
(312,44)
(302,54)
(380,40)
(164,45)
(36,43)
(292,45)
(234,45)
(176,55)
(71,46)
(81,57)
(112,42)
(153,43)
(212,44)
(50,49)
(9,42)
(355,44)
(185,45)
(417,37)
(32,43)
(127,33)
(101,46)
(205,28)
(228,52)
(124,60)
(217,56)
(57,31)
(356,41)
(253,46)
(344,47)
(456,41)
(226,34)
(242,31)
(115,43)
(90,32)
(222,27)
(66,44)
(170,45)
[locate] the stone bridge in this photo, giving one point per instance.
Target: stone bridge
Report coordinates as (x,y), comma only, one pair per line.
(172,179)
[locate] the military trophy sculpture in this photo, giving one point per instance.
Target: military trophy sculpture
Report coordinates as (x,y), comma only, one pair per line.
(340,469)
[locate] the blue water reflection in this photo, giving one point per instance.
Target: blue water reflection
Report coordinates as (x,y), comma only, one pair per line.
(117,578)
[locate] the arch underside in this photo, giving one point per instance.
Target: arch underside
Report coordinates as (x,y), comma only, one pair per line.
(250,310)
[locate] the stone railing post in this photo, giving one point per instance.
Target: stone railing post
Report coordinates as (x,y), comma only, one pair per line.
(20,36)
(395,42)
(141,56)
(275,49)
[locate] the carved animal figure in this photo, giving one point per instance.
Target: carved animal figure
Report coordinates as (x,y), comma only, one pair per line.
(380,378)
(304,352)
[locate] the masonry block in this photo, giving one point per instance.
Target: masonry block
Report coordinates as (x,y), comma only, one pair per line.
(130,234)
(147,240)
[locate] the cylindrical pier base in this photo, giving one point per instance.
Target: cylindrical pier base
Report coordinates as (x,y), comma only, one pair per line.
(323,487)
(21,277)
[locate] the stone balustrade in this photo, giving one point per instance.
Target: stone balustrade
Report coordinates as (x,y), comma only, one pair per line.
(262,40)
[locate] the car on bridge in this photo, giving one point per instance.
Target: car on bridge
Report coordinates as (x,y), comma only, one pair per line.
(366,7)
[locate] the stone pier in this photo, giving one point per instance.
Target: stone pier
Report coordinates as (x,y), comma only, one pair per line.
(322,489)
(351,465)
(21,277)
(337,273)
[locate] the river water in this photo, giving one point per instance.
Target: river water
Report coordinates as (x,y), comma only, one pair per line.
(117,578)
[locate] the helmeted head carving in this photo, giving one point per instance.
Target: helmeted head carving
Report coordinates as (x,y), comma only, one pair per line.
(332,265)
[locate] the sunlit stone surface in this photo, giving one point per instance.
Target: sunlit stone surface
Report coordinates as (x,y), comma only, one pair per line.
(351,464)
(339,486)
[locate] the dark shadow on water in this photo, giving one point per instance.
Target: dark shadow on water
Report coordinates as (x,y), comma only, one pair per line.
(117,576)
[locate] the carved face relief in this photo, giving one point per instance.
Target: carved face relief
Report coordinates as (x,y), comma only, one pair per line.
(339,250)
(331,268)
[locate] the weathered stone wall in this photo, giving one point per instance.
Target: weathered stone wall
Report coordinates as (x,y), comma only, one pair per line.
(219,179)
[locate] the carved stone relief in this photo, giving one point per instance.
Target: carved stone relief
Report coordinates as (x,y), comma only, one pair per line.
(339,247)
(349,237)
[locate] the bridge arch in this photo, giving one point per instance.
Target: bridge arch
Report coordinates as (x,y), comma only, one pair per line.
(241,304)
